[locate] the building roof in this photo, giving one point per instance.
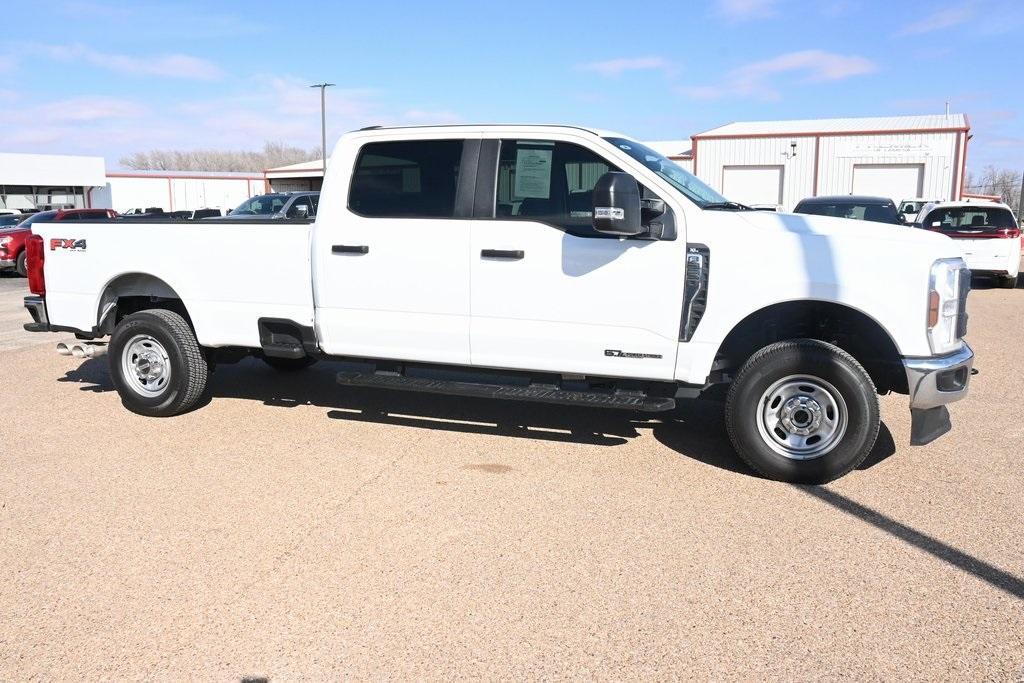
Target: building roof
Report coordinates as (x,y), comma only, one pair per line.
(212,175)
(872,124)
(671,148)
(303,169)
(56,170)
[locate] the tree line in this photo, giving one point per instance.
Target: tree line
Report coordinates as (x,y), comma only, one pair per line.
(272,155)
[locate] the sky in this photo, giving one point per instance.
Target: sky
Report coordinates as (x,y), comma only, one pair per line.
(107,78)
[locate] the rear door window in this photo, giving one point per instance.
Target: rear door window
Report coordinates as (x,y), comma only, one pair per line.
(406,179)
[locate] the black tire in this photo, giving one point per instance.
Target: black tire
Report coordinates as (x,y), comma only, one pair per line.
(20,265)
(289,364)
(1006,282)
(184,386)
(813,369)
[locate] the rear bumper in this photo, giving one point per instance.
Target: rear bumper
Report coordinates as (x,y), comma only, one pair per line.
(36,307)
(934,382)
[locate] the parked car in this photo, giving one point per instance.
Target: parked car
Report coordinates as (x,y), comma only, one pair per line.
(278,205)
(13,239)
(875,209)
(546,263)
(987,233)
(911,208)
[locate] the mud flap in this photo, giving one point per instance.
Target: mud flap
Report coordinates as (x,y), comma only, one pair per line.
(926,425)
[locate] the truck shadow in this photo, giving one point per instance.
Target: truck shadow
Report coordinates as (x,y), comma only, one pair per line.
(696,429)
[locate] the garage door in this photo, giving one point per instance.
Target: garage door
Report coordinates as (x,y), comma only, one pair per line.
(753,184)
(895,181)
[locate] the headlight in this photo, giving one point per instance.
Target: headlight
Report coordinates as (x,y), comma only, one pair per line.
(4,241)
(950,280)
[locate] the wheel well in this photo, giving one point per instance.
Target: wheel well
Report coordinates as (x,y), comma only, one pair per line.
(849,329)
(134,292)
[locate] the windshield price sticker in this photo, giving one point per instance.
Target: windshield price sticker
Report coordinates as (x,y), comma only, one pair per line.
(533,173)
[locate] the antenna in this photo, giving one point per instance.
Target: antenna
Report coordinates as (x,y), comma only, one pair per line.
(947,107)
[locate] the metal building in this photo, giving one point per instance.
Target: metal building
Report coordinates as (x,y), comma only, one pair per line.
(781,162)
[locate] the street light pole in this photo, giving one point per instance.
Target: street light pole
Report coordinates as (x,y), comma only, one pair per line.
(323,121)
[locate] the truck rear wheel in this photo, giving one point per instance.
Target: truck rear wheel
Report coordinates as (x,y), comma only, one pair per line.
(802,411)
(156,364)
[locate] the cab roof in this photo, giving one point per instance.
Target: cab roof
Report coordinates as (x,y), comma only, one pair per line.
(479,127)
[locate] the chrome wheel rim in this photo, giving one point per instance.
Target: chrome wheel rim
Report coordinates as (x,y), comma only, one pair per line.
(146,366)
(802,417)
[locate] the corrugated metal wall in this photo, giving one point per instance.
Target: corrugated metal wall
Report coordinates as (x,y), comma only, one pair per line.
(837,156)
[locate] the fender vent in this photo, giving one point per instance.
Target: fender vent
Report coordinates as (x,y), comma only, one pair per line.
(695,297)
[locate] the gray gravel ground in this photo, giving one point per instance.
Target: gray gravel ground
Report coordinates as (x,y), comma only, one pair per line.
(291,529)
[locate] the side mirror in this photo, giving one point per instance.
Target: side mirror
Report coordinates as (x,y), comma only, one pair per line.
(616,201)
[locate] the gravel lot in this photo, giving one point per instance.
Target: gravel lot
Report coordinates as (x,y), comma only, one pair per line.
(293,529)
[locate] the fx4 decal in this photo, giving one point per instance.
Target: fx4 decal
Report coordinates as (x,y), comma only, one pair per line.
(73,245)
(615,353)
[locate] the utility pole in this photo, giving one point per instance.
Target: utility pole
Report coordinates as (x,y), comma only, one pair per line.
(323,121)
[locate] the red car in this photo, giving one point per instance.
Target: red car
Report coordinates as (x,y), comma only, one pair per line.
(12,240)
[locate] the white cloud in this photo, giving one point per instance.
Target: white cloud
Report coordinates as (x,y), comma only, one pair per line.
(740,10)
(167,65)
(246,114)
(757,79)
(946,18)
(83,109)
(616,67)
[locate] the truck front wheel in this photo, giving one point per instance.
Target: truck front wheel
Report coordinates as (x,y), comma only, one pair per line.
(156,364)
(802,411)
(20,265)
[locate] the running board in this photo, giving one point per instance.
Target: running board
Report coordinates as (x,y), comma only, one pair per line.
(536,393)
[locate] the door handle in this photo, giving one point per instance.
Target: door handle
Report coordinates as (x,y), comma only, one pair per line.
(350,249)
(508,254)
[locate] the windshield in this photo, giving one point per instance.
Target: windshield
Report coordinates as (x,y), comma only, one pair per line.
(969,219)
(674,174)
(8,221)
(264,205)
(860,211)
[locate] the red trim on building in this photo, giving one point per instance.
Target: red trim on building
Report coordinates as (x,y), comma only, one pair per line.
(963,164)
(693,152)
(184,177)
(829,134)
(956,169)
(817,150)
(170,195)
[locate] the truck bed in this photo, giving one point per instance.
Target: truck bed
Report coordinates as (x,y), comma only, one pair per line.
(228,273)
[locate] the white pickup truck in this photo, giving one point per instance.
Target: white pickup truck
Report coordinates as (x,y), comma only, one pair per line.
(548,263)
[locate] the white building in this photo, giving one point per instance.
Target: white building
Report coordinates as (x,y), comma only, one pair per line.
(305,175)
(176,190)
(52,181)
(782,162)
(45,181)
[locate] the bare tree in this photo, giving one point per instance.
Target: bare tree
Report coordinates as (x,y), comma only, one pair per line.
(274,154)
(997,181)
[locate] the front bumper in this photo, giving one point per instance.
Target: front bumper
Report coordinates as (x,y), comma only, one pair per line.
(934,382)
(7,263)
